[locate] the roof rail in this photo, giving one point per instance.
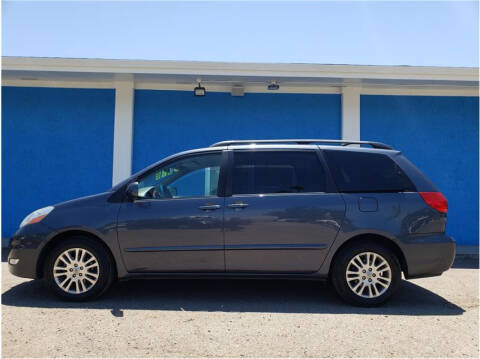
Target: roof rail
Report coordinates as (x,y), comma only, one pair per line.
(303,142)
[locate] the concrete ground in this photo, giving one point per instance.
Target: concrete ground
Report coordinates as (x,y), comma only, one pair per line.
(432,317)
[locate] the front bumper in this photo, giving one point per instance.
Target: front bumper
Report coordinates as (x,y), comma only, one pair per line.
(26,263)
(428,256)
(25,247)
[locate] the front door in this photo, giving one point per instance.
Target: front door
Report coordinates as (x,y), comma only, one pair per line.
(176,224)
(280,217)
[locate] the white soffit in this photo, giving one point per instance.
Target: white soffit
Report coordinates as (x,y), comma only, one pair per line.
(220,75)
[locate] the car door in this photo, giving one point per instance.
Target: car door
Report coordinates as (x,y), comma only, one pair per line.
(282,215)
(176,223)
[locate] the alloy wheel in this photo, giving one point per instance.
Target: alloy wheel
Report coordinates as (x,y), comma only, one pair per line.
(76,270)
(368,275)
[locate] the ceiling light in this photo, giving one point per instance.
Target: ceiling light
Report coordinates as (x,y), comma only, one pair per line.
(199,90)
(273,86)
(237,90)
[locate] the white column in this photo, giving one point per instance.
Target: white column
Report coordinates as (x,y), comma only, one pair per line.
(123,128)
(351,113)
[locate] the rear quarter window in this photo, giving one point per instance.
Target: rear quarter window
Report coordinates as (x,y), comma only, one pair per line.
(366,172)
(257,172)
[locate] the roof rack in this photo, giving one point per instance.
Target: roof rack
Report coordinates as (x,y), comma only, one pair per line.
(303,142)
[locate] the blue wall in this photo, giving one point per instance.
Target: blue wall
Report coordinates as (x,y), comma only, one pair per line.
(57,144)
(166,122)
(439,135)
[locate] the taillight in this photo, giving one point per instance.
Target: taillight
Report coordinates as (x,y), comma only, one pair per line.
(436,200)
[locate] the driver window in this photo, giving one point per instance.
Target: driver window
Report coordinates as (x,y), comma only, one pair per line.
(195,176)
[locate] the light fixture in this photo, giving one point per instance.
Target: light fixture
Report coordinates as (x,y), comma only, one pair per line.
(237,90)
(199,90)
(273,86)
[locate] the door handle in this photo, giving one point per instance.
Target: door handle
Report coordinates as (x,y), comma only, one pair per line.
(238,205)
(210,207)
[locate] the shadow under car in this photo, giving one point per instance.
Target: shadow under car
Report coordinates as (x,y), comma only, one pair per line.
(270,296)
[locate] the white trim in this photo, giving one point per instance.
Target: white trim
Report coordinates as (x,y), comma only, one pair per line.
(248,88)
(201,68)
(254,88)
(351,113)
(123,128)
(59,84)
(152,85)
(415,91)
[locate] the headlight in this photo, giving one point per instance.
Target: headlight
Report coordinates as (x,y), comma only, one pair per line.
(37,216)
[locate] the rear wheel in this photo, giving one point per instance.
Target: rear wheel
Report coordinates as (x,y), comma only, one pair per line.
(79,269)
(366,273)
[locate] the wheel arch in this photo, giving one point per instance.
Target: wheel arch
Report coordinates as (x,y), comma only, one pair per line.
(59,237)
(387,242)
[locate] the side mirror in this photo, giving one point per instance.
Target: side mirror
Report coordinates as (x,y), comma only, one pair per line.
(132,190)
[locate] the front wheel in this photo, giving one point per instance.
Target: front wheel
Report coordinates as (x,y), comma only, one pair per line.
(78,269)
(366,273)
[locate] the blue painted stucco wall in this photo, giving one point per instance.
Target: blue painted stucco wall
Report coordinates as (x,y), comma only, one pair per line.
(166,122)
(57,144)
(439,135)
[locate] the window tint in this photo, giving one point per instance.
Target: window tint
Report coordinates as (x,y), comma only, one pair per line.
(366,172)
(277,172)
(195,176)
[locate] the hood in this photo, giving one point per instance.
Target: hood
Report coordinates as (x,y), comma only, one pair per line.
(87,200)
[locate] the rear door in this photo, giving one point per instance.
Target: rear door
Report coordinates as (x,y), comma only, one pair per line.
(281,216)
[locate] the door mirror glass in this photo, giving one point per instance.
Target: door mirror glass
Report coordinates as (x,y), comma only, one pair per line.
(132,190)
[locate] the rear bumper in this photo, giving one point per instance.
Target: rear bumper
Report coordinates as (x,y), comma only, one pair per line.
(428,256)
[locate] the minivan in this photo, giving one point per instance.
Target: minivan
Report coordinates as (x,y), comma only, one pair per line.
(355,213)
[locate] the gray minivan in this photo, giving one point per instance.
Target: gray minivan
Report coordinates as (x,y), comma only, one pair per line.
(357,215)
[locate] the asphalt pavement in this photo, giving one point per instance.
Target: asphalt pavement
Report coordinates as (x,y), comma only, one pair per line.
(431,317)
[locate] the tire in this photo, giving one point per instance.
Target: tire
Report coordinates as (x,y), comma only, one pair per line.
(91,281)
(373,287)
